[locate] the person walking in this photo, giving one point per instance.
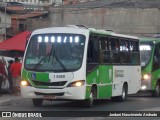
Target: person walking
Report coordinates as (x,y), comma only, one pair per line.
(15,70)
(10,77)
(3,74)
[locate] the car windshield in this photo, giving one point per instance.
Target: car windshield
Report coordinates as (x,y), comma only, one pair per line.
(146,50)
(55,52)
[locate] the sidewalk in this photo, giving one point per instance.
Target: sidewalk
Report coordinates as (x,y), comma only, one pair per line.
(8,99)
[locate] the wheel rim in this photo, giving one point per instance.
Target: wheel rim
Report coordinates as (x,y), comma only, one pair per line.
(91,98)
(157,90)
(123,94)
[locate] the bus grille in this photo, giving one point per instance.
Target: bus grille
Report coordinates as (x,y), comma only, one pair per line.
(55,94)
(38,83)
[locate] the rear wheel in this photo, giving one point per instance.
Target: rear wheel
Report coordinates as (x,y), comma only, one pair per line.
(123,97)
(37,102)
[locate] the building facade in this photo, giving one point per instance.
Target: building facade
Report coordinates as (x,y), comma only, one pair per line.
(5,22)
(33,2)
(133,18)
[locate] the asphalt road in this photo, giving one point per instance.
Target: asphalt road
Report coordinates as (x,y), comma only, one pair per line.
(136,103)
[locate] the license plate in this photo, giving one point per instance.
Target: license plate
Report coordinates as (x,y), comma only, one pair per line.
(49,97)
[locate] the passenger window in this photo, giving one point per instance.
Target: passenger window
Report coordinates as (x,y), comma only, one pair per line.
(92,55)
(156,61)
(124,51)
(134,52)
(104,50)
(114,50)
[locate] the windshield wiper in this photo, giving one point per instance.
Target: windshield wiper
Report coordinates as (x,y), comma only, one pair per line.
(49,55)
(59,61)
(39,63)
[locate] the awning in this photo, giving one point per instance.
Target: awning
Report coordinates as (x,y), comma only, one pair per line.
(18,42)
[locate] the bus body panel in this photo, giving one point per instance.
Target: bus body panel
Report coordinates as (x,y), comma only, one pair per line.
(102,78)
(129,74)
(65,93)
(69,92)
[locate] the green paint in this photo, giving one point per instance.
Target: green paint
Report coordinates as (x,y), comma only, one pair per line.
(103,81)
(148,68)
(40,76)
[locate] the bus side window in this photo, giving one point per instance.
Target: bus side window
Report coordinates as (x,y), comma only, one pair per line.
(134,52)
(92,52)
(114,50)
(124,51)
(104,50)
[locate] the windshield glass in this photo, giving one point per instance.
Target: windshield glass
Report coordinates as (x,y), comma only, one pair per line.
(146,50)
(55,52)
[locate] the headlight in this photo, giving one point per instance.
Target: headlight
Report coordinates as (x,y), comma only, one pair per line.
(143,87)
(25,83)
(146,76)
(76,83)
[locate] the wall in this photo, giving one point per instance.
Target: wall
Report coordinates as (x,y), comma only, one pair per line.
(2,24)
(32,23)
(133,21)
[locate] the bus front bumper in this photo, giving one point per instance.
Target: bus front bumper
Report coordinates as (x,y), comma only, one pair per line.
(70,93)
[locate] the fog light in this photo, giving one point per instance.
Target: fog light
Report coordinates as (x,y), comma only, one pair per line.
(143,87)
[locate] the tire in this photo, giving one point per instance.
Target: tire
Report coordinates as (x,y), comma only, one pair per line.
(156,92)
(37,102)
(93,95)
(114,99)
(123,97)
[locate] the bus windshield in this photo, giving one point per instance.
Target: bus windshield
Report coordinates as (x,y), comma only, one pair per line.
(146,50)
(55,52)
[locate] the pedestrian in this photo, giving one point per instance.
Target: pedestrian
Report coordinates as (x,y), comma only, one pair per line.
(3,74)
(15,70)
(10,77)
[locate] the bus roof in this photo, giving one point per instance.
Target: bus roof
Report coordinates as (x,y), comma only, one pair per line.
(149,39)
(80,30)
(105,32)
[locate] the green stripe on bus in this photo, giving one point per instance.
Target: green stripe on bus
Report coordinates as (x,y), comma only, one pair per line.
(102,77)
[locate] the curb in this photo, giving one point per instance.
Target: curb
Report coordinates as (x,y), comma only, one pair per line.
(13,101)
(5,103)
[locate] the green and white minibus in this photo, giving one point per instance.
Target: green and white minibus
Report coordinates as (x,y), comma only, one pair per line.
(79,63)
(150,62)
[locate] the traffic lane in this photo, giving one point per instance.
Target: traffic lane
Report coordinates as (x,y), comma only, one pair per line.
(134,103)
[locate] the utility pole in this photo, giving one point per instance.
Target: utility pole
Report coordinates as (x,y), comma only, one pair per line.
(5,5)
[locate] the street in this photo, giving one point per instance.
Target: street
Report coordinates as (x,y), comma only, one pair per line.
(134,103)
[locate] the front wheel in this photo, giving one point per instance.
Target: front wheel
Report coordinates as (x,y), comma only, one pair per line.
(93,96)
(156,92)
(37,102)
